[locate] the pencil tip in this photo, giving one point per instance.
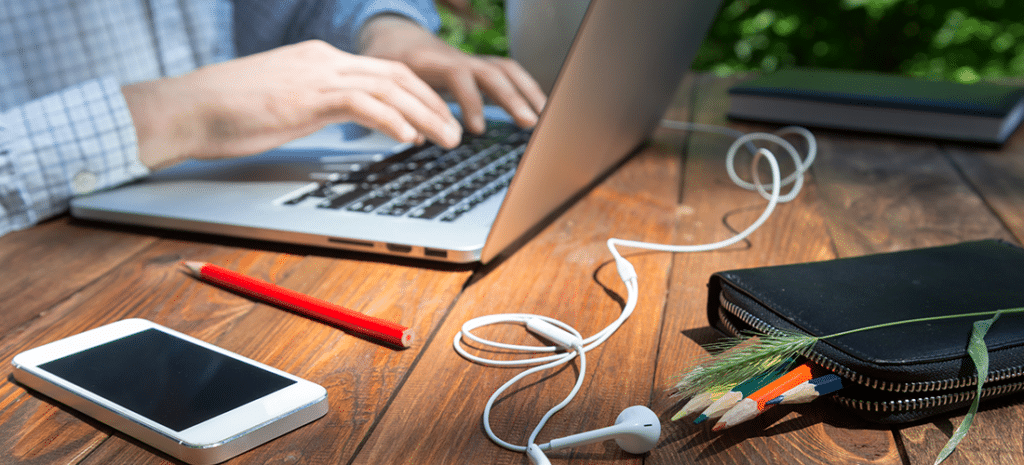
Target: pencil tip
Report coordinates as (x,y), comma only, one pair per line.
(719,427)
(192,267)
(700,419)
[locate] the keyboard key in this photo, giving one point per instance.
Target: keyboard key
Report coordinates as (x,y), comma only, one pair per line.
(345,199)
(431,211)
(370,203)
(429,181)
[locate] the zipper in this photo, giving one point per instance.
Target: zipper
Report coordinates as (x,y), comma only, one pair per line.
(931,402)
(729,308)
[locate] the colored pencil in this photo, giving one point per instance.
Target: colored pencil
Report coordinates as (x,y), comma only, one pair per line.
(810,390)
(754,404)
(298,302)
(744,389)
(697,403)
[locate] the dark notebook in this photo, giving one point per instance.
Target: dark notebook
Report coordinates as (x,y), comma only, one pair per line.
(882,103)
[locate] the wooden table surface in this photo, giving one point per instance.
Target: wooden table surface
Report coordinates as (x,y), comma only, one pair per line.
(423,405)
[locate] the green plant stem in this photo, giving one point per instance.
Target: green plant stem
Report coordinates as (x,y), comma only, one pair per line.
(1008,311)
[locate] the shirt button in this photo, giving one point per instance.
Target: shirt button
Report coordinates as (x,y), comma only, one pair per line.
(84,182)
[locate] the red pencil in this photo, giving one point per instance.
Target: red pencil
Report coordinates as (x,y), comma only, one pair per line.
(366,325)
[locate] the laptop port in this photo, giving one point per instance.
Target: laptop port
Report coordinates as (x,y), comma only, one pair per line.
(399,248)
(435,253)
(350,242)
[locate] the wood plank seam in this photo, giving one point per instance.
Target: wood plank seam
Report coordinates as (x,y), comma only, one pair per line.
(421,346)
(944,150)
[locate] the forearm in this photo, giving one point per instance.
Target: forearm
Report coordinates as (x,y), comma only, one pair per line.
(166,129)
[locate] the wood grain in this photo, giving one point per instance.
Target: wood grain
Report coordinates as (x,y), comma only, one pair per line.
(795,233)
(29,258)
(998,177)
(565,273)
(884,195)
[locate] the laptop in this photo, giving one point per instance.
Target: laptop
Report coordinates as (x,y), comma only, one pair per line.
(618,78)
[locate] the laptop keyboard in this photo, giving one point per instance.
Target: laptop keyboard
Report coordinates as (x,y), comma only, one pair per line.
(426,182)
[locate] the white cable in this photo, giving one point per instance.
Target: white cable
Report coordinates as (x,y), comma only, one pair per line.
(628,274)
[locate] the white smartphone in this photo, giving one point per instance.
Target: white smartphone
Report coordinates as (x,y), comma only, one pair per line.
(190,399)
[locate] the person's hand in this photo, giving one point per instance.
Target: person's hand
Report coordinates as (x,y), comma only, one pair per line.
(255,103)
(465,76)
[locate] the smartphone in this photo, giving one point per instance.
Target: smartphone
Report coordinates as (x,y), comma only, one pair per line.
(193,400)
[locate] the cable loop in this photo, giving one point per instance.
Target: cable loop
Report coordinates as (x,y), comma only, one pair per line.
(770,192)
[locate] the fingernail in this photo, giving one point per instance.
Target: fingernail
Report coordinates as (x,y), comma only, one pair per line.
(452,134)
(409,134)
(528,117)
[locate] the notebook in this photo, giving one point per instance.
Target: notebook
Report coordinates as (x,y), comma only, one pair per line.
(881,103)
(616,82)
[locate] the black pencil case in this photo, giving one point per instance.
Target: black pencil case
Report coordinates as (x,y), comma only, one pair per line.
(900,373)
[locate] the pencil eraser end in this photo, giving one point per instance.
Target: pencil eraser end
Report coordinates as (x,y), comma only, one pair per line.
(407,337)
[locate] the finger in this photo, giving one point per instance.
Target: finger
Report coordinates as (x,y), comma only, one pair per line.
(524,82)
(401,75)
(462,85)
(373,113)
(366,110)
(446,132)
(497,85)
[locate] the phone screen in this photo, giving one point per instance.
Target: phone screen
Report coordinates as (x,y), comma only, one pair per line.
(166,379)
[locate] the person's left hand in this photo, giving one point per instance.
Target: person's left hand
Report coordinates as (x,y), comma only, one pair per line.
(466,77)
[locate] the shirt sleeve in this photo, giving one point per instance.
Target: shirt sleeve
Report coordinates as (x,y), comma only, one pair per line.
(71,142)
(264,24)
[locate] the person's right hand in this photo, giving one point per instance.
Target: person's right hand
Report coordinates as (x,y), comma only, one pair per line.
(255,103)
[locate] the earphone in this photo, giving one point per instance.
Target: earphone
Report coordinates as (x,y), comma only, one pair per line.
(637,429)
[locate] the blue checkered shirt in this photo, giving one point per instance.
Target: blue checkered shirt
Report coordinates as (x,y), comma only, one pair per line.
(64,126)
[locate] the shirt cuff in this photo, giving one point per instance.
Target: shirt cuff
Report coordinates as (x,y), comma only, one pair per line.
(349,29)
(71,142)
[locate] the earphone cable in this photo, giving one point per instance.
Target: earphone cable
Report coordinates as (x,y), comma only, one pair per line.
(628,274)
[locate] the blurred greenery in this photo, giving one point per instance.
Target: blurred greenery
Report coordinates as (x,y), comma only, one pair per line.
(956,40)
(482,31)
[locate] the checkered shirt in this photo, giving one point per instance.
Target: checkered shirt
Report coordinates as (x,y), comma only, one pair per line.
(65,128)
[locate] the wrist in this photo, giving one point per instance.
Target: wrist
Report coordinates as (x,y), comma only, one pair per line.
(163,133)
(383,35)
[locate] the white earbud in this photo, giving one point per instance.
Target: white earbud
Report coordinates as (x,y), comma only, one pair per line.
(536,456)
(636,431)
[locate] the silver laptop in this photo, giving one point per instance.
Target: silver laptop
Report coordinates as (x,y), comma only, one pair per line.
(469,204)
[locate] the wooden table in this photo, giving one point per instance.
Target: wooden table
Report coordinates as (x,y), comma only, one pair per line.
(423,405)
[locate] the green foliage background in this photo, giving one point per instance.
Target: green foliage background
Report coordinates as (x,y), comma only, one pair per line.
(957,40)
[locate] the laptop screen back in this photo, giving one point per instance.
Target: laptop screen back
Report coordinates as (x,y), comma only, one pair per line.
(619,77)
